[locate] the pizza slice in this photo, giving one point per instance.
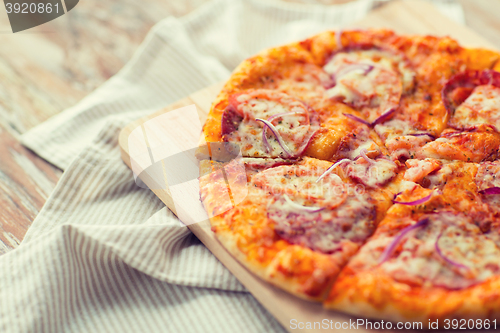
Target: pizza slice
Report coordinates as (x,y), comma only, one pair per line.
(300,223)
(426,261)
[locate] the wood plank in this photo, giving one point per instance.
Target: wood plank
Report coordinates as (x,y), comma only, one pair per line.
(49,68)
(483,16)
(412,17)
(26,181)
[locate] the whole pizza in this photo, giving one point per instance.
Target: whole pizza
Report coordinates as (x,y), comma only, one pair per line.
(369,173)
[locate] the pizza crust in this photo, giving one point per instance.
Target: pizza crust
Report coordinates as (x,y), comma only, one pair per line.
(439,159)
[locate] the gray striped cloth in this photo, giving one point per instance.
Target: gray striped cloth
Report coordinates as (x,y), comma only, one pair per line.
(104,255)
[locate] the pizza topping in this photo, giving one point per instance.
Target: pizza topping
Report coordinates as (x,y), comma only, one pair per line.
(401,139)
(418,169)
(351,144)
(358,119)
(392,246)
(383,117)
(416,202)
(465,257)
(324,215)
(301,185)
(333,166)
(231,120)
(489,186)
(281,122)
(370,80)
(481,107)
(491,190)
(432,137)
(486,176)
(393,128)
(439,178)
(362,153)
(296,206)
(372,173)
(458,88)
(276,134)
(363,68)
(328,230)
(448,260)
(463,146)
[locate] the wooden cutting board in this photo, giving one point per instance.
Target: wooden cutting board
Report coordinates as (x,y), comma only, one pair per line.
(409,17)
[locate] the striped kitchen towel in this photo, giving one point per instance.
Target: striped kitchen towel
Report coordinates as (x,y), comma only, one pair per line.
(104,255)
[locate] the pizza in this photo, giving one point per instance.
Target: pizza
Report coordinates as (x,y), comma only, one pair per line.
(362,173)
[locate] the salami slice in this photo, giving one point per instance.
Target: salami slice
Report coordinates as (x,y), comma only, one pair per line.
(473,98)
(323,215)
(267,123)
(371,80)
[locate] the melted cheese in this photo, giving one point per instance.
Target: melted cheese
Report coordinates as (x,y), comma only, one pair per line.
(373,174)
(300,183)
(481,107)
(416,260)
(344,216)
(380,59)
(488,175)
(293,128)
(369,80)
(393,128)
(328,230)
(461,242)
(418,169)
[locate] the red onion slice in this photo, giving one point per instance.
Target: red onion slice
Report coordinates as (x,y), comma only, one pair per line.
(383,117)
(366,68)
(307,140)
(423,134)
(333,166)
(353,117)
(362,153)
(392,246)
(491,190)
(448,260)
(396,195)
(270,120)
(276,134)
(284,114)
(416,202)
(300,207)
(366,152)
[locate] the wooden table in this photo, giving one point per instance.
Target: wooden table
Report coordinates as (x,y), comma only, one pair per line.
(51,67)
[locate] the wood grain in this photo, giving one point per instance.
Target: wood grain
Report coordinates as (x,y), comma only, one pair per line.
(411,17)
(49,68)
